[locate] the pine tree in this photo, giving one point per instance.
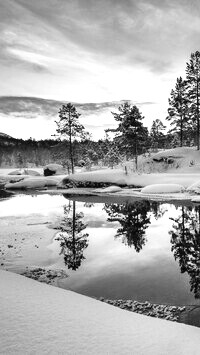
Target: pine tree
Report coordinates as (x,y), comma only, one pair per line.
(179,109)
(156,133)
(69,127)
(131,133)
(193,81)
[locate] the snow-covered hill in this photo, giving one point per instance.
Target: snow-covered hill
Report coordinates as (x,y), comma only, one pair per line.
(176,160)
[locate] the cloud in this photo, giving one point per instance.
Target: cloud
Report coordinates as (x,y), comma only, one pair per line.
(95,50)
(32,106)
(26,112)
(147,32)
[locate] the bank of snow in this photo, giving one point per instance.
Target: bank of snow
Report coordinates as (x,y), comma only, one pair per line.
(118,177)
(163,189)
(41,319)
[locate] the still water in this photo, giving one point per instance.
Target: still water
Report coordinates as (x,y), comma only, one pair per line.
(136,250)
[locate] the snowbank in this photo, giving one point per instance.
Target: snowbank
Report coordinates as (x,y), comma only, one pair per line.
(30,183)
(41,319)
(195,188)
(162,189)
(109,189)
(118,177)
(24,172)
(34,183)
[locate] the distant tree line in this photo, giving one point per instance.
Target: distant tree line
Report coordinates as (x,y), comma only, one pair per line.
(72,145)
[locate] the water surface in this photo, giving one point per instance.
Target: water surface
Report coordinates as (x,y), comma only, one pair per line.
(137,250)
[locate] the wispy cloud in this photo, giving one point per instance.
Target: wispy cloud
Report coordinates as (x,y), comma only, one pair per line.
(147,32)
(96,117)
(96,50)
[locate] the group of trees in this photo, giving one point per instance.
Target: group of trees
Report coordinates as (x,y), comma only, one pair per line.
(185,240)
(184,103)
(131,137)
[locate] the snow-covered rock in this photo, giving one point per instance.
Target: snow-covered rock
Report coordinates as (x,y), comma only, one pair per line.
(54,169)
(31,183)
(162,189)
(195,188)
(109,189)
(16,172)
(40,319)
(24,172)
(118,177)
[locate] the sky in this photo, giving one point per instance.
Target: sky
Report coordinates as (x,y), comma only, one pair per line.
(91,51)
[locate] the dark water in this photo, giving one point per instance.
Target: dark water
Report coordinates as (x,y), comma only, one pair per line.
(137,250)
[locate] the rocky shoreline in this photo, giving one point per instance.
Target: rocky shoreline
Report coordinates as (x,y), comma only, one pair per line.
(167,312)
(47,276)
(182,314)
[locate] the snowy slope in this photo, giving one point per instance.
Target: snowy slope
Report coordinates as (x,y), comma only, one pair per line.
(41,319)
(181,159)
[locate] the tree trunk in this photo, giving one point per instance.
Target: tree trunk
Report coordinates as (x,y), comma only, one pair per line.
(70,145)
(197,115)
(181,132)
(73,234)
(136,157)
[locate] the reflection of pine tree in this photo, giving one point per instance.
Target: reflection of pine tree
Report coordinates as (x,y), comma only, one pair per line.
(157,210)
(133,220)
(73,242)
(185,239)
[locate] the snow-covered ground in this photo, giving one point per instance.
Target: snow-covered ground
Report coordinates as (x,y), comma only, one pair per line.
(41,319)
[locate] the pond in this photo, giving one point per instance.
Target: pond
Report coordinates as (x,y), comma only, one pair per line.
(117,249)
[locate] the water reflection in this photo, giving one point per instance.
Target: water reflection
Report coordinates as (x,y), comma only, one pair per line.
(185,239)
(133,219)
(158,210)
(72,241)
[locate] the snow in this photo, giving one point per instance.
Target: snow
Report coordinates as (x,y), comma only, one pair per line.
(40,319)
(196,199)
(178,152)
(108,189)
(194,187)
(118,177)
(35,182)
(162,189)
(24,172)
(30,183)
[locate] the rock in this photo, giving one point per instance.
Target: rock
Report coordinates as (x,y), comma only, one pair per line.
(24,172)
(30,183)
(16,172)
(109,189)
(194,188)
(5,194)
(54,169)
(162,188)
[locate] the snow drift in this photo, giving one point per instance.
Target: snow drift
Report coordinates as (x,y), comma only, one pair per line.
(163,189)
(41,319)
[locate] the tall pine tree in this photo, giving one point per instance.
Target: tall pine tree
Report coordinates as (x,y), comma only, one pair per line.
(178,111)
(156,134)
(193,80)
(131,133)
(69,127)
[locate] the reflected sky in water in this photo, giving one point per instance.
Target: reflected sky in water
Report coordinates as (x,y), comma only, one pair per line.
(128,251)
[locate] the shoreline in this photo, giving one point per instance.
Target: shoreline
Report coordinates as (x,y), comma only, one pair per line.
(189,314)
